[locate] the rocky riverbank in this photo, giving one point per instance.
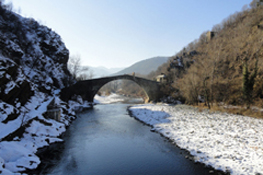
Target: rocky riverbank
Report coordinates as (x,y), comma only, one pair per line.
(22,149)
(227,142)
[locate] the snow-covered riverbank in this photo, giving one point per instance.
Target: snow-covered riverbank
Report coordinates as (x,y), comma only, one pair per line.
(35,131)
(32,131)
(227,142)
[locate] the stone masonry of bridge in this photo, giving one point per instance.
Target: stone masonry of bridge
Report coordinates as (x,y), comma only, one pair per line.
(87,89)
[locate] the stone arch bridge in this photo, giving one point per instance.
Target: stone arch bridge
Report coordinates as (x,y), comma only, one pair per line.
(87,89)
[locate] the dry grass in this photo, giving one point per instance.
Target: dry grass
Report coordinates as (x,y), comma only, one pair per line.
(255,112)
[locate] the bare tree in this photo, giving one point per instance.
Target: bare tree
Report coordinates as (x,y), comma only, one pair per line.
(2,2)
(74,66)
(115,85)
(9,6)
(91,74)
(255,3)
(202,38)
(82,77)
(86,75)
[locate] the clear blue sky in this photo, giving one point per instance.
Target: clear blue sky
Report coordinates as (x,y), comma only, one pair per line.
(118,33)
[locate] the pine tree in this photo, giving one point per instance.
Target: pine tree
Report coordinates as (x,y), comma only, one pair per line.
(245,80)
(248,82)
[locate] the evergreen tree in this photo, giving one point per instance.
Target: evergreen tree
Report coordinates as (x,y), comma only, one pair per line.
(248,82)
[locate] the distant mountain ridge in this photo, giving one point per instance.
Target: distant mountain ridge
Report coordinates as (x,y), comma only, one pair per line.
(144,67)
(101,71)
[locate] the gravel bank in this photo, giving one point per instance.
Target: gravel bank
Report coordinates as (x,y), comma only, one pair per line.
(227,142)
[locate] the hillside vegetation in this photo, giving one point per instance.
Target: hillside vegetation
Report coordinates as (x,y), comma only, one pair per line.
(226,67)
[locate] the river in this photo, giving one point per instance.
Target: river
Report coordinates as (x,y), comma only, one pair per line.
(106,140)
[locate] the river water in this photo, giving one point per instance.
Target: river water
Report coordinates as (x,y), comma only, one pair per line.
(107,141)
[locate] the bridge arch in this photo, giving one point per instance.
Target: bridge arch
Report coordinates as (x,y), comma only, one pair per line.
(122,86)
(87,89)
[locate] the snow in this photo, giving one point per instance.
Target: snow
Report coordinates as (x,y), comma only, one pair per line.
(180,62)
(31,66)
(79,105)
(231,143)
(16,157)
(6,129)
(112,98)
(19,154)
(115,98)
(9,109)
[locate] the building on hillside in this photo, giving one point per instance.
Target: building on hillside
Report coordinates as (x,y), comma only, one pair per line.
(161,78)
(53,110)
(210,35)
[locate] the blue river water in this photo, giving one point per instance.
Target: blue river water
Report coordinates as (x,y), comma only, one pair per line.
(106,140)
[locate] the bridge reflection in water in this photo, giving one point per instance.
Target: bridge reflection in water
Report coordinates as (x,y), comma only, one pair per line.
(87,89)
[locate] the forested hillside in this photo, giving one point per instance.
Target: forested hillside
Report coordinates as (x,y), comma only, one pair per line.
(223,65)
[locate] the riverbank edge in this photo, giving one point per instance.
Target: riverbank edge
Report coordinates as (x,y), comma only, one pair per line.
(188,155)
(50,154)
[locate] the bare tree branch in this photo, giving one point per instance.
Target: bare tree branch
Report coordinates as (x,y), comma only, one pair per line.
(74,66)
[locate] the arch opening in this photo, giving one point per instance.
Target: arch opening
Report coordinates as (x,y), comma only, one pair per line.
(128,90)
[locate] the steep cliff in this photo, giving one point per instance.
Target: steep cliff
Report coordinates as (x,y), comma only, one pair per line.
(33,69)
(38,50)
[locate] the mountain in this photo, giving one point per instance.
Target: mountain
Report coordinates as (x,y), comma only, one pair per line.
(101,71)
(144,67)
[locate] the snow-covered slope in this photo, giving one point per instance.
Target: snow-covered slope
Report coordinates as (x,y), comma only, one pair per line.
(37,49)
(33,69)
